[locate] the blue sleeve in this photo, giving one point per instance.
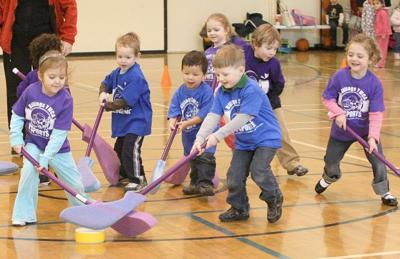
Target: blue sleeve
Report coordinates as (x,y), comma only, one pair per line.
(57,139)
(217,107)
(205,105)
(16,126)
(174,107)
(108,82)
(251,101)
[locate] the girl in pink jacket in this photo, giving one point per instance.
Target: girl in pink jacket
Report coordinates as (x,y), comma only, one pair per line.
(382,29)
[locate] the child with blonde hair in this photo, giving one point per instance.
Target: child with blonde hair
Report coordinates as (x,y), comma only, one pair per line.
(256,130)
(131,109)
(354,98)
(45,110)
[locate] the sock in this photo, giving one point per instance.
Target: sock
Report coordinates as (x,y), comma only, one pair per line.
(323,183)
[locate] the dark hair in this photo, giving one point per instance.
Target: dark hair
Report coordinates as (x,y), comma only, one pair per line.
(42,44)
(195,58)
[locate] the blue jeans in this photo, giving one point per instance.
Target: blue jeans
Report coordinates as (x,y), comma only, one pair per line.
(257,162)
(27,197)
(334,154)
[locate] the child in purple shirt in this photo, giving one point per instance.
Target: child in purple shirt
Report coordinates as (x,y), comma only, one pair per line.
(45,110)
(354,98)
(265,68)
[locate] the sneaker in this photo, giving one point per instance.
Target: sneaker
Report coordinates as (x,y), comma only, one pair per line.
(43,180)
(206,189)
(389,200)
(275,209)
(298,170)
(135,187)
(233,215)
(319,188)
(191,189)
(21,223)
(123,180)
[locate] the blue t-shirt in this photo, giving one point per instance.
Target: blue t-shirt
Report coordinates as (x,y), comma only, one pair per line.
(357,97)
(44,113)
(132,87)
(263,130)
(189,103)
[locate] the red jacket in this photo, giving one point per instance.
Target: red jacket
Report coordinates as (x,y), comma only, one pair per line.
(66,18)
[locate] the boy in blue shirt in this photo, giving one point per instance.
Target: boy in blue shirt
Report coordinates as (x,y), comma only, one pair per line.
(131,109)
(256,130)
(192,101)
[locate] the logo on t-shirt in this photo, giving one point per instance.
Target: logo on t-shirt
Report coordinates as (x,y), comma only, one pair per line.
(232,108)
(117,94)
(262,80)
(354,101)
(189,108)
(41,119)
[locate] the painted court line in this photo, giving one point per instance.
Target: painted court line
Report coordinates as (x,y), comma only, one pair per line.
(363,255)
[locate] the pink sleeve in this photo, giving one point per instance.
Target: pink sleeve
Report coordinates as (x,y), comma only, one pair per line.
(375,125)
(333,108)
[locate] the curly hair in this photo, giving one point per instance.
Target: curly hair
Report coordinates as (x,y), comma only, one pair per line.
(42,44)
(369,44)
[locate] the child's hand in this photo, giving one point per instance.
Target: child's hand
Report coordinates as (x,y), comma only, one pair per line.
(17,148)
(183,125)
(341,121)
(103,98)
(172,123)
(372,145)
(211,141)
(197,146)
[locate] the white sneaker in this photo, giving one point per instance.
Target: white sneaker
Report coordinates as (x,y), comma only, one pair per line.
(18,223)
(132,187)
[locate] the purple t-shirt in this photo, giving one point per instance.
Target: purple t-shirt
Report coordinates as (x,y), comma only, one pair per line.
(44,113)
(357,97)
(210,53)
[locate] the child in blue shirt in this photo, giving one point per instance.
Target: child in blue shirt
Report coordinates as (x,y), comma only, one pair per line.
(192,101)
(256,130)
(265,68)
(131,109)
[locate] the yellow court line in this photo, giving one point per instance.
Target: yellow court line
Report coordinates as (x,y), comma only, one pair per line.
(363,255)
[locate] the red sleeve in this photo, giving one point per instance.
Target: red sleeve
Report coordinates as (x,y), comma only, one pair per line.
(67,20)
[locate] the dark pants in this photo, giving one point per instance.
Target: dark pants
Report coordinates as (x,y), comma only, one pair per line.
(19,58)
(396,36)
(257,163)
(128,149)
(334,154)
(202,169)
(332,32)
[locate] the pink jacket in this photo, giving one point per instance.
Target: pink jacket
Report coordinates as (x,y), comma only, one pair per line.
(382,24)
(395,19)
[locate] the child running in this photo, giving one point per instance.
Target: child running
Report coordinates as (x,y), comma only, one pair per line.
(45,110)
(131,109)
(256,130)
(354,98)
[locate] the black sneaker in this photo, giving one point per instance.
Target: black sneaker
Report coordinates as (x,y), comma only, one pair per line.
(43,180)
(389,200)
(233,215)
(206,189)
(275,209)
(298,170)
(191,189)
(319,188)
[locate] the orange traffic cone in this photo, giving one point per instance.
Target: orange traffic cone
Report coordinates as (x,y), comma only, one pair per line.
(343,63)
(166,84)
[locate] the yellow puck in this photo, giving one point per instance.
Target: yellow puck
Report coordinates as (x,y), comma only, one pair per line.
(89,236)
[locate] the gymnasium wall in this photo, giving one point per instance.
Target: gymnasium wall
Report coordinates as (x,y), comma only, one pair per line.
(100,22)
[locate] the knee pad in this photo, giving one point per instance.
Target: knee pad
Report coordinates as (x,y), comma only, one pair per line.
(381,187)
(331,179)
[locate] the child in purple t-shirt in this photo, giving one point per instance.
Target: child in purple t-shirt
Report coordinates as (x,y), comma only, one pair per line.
(45,110)
(354,98)
(37,48)
(265,68)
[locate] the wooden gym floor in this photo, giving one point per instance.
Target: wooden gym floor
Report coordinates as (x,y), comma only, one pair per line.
(347,221)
